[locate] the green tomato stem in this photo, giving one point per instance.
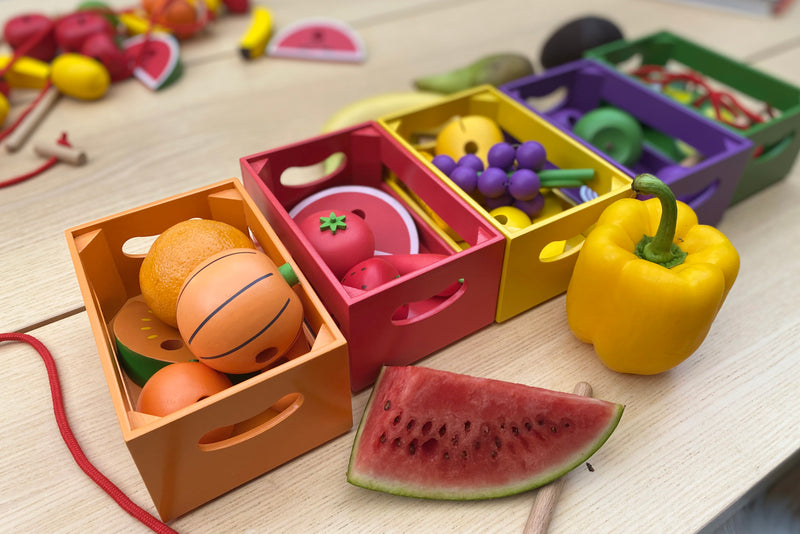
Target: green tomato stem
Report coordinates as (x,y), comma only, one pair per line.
(660,248)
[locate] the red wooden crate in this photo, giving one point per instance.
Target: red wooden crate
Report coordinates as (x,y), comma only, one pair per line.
(374,159)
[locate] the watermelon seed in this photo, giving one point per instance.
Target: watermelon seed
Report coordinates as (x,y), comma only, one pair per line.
(467,426)
(494,454)
(497,442)
(477,445)
(410,425)
(589,467)
(383,437)
(554,429)
(427,427)
(443,430)
(527,424)
(514,430)
(396,420)
(387,405)
(485,429)
(397,441)
(412,447)
(446,455)
(464,455)
(454,441)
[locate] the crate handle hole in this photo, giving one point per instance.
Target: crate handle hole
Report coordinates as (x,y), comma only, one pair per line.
(560,249)
(228,436)
(413,312)
(696,200)
(306,174)
(137,247)
(549,101)
(766,152)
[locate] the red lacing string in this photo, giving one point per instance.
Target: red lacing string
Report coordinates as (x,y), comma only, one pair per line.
(5,133)
(720,100)
(72,444)
(52,160)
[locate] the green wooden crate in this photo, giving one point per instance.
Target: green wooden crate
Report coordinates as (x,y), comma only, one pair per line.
(776,141)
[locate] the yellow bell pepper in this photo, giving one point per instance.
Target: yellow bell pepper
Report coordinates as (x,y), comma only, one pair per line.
(649,281)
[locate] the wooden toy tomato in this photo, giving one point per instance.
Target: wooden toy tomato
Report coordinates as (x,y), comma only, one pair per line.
(237,311)
(179,385)
(341,238)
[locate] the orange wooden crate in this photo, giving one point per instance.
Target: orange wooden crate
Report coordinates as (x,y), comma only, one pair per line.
(278,414)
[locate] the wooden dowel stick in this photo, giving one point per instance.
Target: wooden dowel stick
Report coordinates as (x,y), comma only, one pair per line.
(18,137)
(546,496)
(64,153)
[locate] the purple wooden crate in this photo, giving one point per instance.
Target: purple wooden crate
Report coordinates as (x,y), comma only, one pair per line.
(707,186)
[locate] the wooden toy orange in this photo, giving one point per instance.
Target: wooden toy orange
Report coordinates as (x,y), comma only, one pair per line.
(180,16)
(179,385)
(277,414)
(237,313)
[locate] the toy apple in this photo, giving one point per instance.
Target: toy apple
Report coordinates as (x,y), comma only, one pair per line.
(20,29)
(74,29)
(103,48)
(179,385)
(341,238)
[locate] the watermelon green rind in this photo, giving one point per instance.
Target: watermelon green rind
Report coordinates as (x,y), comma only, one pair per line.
(389,474)
(163,43)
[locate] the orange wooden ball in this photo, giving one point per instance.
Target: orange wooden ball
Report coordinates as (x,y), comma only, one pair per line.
(237,313)
(180,16)
(179,385)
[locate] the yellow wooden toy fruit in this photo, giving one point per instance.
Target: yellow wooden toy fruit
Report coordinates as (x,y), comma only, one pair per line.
(3,108)
(471,134)
(80,76)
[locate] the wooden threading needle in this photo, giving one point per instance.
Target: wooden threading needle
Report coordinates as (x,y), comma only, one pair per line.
(546,496)
(18,137)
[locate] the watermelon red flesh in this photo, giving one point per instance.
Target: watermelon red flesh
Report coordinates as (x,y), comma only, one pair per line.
(440,435)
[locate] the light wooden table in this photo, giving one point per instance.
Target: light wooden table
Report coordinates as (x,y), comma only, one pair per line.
(692,444)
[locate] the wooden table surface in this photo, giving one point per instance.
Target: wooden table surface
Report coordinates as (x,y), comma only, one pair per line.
(693,442)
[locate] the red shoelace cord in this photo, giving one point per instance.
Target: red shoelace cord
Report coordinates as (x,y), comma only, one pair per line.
(72,444)
(719,100)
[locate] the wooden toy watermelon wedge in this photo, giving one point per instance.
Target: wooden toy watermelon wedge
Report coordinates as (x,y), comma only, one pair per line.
(155,58)
(441,435)
(318,39)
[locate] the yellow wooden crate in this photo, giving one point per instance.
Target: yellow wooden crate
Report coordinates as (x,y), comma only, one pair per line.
(531,273)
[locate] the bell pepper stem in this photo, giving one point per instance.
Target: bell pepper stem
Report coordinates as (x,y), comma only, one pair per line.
(660,248)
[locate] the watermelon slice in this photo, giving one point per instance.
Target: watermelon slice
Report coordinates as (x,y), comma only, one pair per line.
(155,58)
(441,435)
(318,39)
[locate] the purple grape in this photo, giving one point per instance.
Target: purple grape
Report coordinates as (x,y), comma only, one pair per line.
(530,207)
(465,177)
(471,160)
(501,155)
(531,155)
(444,163)
(492,182)
(524,184)
(503,200)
